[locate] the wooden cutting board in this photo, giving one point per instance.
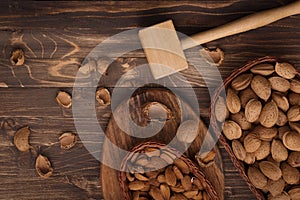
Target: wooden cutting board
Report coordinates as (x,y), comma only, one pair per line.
(109,176)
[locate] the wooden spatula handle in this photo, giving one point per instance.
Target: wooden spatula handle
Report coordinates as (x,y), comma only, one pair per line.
(244,24)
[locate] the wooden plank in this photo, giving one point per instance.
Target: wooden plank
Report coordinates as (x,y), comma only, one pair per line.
(53,55)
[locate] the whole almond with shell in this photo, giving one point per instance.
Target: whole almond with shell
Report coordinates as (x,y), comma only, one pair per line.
(250,158)
(246,95)
(285,70)
(282,118)
(294,159)
(290,174)
(241,120)
(270,170)
(295,86)
(263,151)
(294,99)
(257,178)
(238,149)
(293,113)
(294,193)
(261,86)
(295,126)
(278,151)
(221,110)
(265,134)
(242,81)
(276,187)
(232,130)
(279,84)
(291,140)
(269,114)
(281,101)
(282,196)
(232,101)
(251,142)
(252,110)
(264,69)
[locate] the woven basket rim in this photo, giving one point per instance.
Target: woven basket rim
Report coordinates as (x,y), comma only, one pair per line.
(194,169)
(225,142)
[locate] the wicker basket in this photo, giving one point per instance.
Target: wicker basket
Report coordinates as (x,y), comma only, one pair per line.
(242,168)
(194,170)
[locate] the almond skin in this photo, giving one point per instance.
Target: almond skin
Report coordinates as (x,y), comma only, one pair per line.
(269,115)
(261,86)
(252,110)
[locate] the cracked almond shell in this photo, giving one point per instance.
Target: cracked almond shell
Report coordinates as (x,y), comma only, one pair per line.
(103,96)
(43,166)
(21,138)
(67,140)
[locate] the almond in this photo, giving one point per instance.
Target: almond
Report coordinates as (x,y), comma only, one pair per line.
(263,151)
(238,150)
(269,115)
(294,193)
(177,172)
(241,120)
(282,118)
(165,191)
(250,158)
(294,159)
(276,187)
(290,174)
(232,130)
(170,176)
(251,142)
(291,140)
(64,99)
(242,81)
(265,134)
(156,194)
(295,126)
(295,86)
(285,70)
(282,196)
(270,170)
(182,166)
(261,86)
(191,194)
(258,179)
(221,111)
(21,139)
(252,110)
(282,130)
(186,183)
(136,185)
(232,101)
(279,84)
(264,69)
(246,95)
(293,113)
(281,101)
(278,151)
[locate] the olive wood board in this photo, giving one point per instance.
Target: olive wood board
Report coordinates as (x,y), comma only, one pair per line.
(109,176)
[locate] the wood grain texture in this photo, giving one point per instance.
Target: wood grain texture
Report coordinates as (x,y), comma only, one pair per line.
(57,36)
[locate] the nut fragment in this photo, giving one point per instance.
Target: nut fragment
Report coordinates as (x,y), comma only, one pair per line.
(261,86)
(17,57)
(64,99)
(43,166)
(270,170)
(67,140)
(103,96)
(21,139)
(285,70)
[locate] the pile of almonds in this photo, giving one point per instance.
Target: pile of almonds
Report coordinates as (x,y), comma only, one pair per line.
(262,123)
(158,174)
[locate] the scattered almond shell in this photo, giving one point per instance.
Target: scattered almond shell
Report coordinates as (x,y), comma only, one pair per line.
(43,166)
(67,140)
(17,57)
(21,138)
(64,99)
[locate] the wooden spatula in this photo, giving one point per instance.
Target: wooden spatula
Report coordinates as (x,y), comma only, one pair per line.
(164,51)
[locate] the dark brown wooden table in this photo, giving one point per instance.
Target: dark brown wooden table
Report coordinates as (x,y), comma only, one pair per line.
(56,36)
